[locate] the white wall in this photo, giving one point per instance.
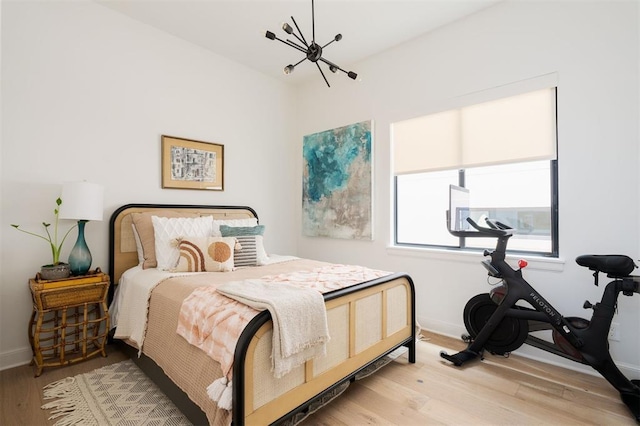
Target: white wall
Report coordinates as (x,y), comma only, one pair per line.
(86,94)
(593,48)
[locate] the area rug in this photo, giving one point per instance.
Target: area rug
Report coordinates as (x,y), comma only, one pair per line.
(117,394)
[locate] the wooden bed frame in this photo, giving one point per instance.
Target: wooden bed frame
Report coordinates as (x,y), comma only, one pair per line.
(366,341)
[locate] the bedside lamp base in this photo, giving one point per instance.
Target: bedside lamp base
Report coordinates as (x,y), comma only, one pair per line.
(80,256)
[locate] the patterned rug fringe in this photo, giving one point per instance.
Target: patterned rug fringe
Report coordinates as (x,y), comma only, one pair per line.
(117,394)
(71,402)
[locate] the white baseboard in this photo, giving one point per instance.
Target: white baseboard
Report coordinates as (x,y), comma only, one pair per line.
(441,327)
(631,371)
(15,358)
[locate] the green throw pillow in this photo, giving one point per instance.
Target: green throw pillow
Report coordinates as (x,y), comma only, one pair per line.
(252,252)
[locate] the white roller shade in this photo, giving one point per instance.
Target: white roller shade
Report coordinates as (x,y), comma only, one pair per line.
(512,129)
(508,130)
(430,142)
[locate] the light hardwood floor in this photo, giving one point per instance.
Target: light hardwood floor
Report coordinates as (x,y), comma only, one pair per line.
(496,391)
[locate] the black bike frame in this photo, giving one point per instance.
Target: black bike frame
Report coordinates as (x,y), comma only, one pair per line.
(591,342)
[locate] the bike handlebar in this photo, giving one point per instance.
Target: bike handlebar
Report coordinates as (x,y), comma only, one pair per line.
(496,229)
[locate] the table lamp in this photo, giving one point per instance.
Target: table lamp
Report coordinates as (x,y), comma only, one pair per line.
(81,201)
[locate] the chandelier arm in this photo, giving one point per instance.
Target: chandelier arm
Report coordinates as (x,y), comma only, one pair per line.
(328,43)
(325,78)
(301,35)
(300,40)
(300,61)
(294,45)
(331,64)
(291,44)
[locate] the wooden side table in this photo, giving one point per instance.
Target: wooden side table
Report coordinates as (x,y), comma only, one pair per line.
(67,318)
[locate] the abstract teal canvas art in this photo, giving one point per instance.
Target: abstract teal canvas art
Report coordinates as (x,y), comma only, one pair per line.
(337,182)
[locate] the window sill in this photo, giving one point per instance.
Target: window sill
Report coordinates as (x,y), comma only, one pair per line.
(535,262)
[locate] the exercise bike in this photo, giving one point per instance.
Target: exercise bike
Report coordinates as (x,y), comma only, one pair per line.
(496,324)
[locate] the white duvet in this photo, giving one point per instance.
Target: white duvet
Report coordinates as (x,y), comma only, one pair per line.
(130,304)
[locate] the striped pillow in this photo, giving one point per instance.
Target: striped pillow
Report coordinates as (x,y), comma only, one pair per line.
(252,251)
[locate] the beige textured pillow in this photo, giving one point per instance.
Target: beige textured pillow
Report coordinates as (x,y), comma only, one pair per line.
(210,254)
(144,227)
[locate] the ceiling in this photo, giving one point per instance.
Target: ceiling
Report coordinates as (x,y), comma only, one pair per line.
(236,29)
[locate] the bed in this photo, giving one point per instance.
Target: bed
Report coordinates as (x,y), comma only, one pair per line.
(367,321)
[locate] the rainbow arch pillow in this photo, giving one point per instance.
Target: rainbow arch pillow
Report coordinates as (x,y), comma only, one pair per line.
(205,254)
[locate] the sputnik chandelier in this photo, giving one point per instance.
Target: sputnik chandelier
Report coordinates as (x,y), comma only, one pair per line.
(312,51)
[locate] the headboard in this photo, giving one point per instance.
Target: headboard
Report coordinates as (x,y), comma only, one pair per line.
(122,245)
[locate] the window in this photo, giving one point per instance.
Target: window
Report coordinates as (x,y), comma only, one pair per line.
(503,151)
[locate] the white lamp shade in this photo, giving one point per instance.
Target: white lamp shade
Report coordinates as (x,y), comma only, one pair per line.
(81,201)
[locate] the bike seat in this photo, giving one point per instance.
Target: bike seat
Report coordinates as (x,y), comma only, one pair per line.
(615,265)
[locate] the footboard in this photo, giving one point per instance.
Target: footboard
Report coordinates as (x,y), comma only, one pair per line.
(366,322)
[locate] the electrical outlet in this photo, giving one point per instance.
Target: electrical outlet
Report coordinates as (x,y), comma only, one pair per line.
(614,332)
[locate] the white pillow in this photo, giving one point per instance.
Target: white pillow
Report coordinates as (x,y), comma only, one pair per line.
(231,222)
(167,229)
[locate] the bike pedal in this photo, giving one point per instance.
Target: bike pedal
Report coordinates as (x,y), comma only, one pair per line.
(451,358)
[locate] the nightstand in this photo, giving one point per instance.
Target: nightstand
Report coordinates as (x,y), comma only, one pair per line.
(70,319)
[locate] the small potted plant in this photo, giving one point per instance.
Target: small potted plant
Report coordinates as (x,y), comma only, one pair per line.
(56,270)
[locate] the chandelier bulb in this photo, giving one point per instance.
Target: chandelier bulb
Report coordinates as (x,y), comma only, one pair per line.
(352,75)
(333,69)
(289,69)
(338,37)
(287,28)
(270,35)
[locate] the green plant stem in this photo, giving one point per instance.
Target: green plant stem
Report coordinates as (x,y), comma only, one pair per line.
(53,244)
(55,250)
(32,233)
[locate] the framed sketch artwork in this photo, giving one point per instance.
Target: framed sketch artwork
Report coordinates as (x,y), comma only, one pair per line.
(189,164)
